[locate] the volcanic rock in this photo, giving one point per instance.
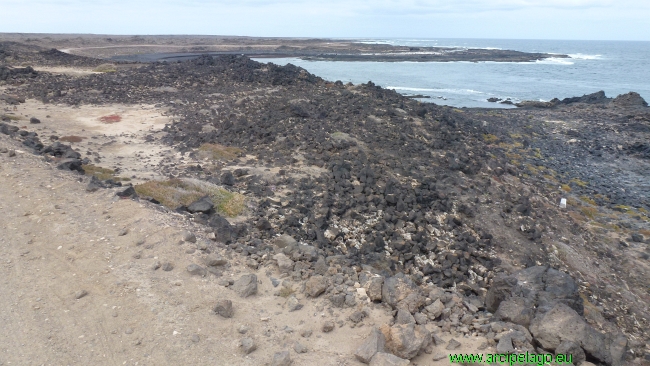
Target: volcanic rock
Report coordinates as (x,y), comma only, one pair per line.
(374,343)
(246,285)
(224,308)
(387,359)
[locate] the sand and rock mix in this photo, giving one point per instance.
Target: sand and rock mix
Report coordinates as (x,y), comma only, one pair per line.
(226,211)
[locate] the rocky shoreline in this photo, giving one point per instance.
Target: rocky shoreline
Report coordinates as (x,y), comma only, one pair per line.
(172,49)
(362,195)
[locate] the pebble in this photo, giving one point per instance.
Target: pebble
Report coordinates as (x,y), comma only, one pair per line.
(188,237)
(128,331)
(439,356)
(328,326)
(299,348)
(224,308)
(167,266)
(293,304)
(306,333)
(215,260)
(248,345)
(281,359)
(196,270)
(79,294)
(452,345)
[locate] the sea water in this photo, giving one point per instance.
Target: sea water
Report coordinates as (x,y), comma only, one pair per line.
(613,66)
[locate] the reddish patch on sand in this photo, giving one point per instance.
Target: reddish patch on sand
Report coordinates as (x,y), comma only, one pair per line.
(113,118)
(71,138)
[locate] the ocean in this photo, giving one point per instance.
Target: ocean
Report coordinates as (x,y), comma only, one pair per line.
(616,67)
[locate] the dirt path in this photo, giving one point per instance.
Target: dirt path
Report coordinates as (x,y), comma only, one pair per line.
(59,242)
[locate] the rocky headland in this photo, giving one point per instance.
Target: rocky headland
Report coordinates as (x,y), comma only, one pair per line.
(415,229)
(174,48)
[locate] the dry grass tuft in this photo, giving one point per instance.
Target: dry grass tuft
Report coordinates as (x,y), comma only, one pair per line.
(11,117)
(105,68)
(71,138)
(219,152)
(175,192)
(286,292)
(590,212)
(102,173)
(490,138)
(579,182)
(588,200)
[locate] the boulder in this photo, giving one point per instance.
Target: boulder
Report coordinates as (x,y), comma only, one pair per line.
(228,179)
(516,311)
(396,289)
(573,349)
(404,317)
(285,241)
(374,287)
(285,264)
(223,231)
(562,323)
(413,302)
(500,290)
(406,340)
(202,205)
(434,310)
(316,285)
(246,285)
(375,342)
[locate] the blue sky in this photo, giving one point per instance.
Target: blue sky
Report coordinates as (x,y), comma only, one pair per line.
(522,19)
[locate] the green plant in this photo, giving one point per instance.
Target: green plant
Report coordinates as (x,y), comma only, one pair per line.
(219,152)
(11,117)
(105,68)
(176,192)
(102,173)
(590,212)
(588,200)
(490,138)
(579,182)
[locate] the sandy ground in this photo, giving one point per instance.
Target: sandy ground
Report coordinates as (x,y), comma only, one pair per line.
(119,145)
(59,240)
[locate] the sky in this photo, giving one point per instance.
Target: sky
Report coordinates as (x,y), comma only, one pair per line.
(510,19)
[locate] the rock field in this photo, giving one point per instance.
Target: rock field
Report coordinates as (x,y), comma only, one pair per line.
(280,218)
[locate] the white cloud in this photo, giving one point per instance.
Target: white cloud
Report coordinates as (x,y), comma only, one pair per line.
(572,19)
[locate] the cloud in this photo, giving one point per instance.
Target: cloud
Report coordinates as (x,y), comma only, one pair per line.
(566,19)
